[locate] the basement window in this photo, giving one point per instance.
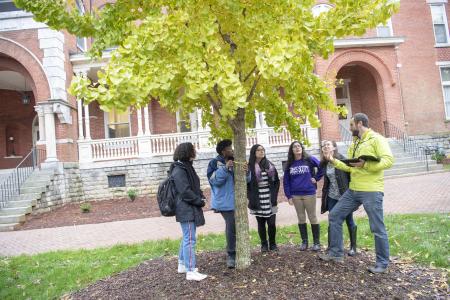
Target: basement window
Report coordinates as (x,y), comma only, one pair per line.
(116,181)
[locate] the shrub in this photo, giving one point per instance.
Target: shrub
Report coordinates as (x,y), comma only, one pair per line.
(132,193)
(438,156)
(85,207)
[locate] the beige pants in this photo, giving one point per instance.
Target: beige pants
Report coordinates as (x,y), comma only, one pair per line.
(308,204)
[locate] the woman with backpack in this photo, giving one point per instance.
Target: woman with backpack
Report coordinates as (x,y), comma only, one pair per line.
(335,184)
(300,184)
(188,208)
(262,193)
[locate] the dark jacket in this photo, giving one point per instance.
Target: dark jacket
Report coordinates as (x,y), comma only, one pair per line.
(253,190)
(342,178)
(189,196)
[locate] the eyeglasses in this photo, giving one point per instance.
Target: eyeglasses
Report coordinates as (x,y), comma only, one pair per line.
(260,150)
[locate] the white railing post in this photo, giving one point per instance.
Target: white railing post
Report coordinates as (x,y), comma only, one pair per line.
(139,121)
(87,121)
(80,119)
(144,146)
(262,136)
(146,121)
(203,140)
(85,151)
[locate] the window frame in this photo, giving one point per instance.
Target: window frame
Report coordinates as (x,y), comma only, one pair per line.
(442,7)
(443,85)
(389,25)
(8,11)
(318,6)
(107,123)
(82,11)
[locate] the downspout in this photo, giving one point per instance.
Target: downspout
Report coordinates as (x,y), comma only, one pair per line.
(398,66)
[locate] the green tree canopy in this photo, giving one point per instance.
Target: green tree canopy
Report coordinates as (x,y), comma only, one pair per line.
(235,56)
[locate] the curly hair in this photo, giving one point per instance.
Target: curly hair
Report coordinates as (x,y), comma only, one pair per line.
(184,152)
(222,145)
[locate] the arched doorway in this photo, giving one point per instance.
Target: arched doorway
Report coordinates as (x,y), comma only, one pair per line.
(17,115)
(369,85)
(359,91)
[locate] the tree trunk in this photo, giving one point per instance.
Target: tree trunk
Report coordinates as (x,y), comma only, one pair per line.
(240,192)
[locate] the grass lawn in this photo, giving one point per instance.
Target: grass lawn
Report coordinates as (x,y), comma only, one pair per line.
(420,238)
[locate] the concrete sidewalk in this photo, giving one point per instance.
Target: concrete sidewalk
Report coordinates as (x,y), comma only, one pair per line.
(415,194)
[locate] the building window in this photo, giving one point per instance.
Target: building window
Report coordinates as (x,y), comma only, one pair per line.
(81,41)
(8,5)
(385,30)
(445,78)
(440,25)
(116,181)
(186,125)
(320,8)
(117,124)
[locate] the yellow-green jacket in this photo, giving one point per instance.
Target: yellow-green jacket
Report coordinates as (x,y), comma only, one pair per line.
(369,178)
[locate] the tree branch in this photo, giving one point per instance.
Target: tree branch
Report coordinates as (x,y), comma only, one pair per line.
(252,90)
(227,39)
(251,72)
(214,104)
(216,91)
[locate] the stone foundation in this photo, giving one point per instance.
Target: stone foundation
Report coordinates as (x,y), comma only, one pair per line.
(74,183)
(441,141)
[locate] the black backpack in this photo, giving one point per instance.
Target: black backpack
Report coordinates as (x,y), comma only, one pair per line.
(167,196)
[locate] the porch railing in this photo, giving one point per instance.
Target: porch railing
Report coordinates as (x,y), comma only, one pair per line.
(165,144)
(409,145)
(346,135)
(114,148)
(10,187)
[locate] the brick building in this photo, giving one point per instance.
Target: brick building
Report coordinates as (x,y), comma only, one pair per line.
(398,74)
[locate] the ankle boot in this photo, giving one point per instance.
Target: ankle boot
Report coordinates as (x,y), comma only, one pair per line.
(352,234)
(304,236)
(264,247)
(315,228)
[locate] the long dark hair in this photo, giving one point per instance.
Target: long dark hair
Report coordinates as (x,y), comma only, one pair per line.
(184,152)
(264,163)
(291,156)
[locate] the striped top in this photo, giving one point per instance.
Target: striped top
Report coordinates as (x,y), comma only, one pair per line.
(264,198)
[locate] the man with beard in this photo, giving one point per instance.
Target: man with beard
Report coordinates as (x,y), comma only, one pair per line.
(366,188)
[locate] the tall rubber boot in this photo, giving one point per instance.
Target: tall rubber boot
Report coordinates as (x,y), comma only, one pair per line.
(304,236)
(315,228)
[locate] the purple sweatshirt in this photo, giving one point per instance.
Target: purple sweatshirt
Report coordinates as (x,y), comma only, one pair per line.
(297,180)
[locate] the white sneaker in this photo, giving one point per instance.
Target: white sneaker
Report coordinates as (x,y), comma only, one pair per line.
(182,269)
(195,276)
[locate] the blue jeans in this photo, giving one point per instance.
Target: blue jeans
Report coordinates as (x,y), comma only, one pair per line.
(186,254)
(373,205)
(349,219)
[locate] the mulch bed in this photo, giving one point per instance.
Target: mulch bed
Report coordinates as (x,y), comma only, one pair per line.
(288,274)
(103,211)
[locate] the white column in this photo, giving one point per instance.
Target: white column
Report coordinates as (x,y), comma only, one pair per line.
(263,120)
(80,119)
(146,121)
(257,121)
(199,120)
(40,112)
(139,121)
(50,134)
(87,121)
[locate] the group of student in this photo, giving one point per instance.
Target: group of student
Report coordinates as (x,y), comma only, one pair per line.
(301,174)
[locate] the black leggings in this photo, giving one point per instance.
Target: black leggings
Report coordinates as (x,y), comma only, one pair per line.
(271,228)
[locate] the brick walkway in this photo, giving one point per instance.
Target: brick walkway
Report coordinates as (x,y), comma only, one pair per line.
(416,194)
